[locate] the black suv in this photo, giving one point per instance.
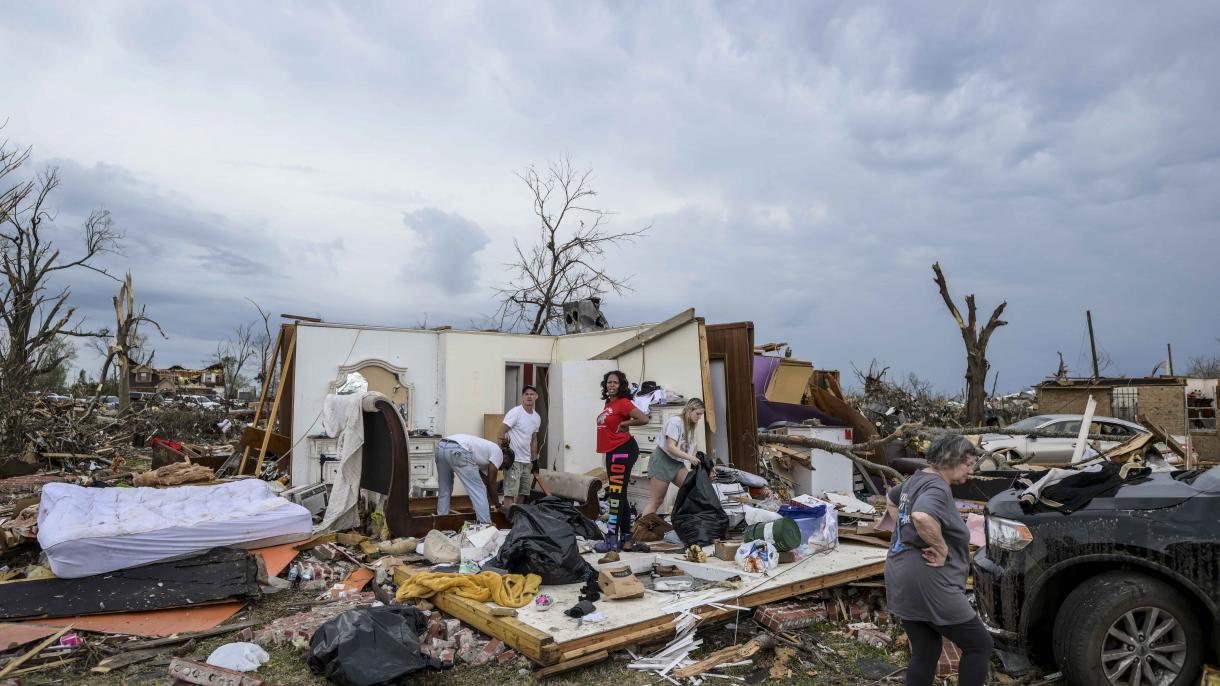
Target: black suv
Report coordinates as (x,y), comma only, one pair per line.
(1123,592)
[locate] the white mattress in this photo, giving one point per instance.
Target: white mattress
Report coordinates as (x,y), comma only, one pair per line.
(87,531)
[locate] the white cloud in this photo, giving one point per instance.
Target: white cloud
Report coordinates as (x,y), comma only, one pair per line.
(802,165)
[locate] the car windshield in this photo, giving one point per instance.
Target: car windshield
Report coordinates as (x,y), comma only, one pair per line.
(1028,424)
(1209,480)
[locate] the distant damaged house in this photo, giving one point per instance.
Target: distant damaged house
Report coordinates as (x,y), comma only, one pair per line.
(1175,403)
(178,380)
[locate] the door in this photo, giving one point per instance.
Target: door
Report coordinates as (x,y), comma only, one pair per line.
(1054,450)
(575,401)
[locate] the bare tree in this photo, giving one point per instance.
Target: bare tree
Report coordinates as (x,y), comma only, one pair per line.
(232,354)
(263,342)
(565,264)
(1204,366)
(976,342)
(127,344)
(32,312)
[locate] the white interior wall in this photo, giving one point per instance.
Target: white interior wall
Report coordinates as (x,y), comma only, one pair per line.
(458,376)
(323,348)
(473,373)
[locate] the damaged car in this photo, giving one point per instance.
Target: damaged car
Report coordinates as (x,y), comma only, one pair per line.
(1123,591)
(1034,449)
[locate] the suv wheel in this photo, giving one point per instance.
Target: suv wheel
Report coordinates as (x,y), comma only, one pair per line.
(1127,629)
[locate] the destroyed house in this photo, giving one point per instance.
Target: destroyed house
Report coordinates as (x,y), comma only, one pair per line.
(1177,404)
(446,381)
(177,380)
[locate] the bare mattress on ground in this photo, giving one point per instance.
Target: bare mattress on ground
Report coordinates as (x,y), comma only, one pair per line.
(87,531)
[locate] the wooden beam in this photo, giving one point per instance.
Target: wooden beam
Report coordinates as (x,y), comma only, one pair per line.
(561,667)
(14,664)
(535,644)
(705,367)
(647,336)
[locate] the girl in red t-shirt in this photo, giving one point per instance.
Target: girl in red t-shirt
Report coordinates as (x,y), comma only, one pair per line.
(621,451)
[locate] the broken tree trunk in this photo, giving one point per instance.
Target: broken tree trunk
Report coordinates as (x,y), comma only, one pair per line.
(976,346)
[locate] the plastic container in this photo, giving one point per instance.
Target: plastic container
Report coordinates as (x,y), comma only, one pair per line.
(785,532)
(810,520)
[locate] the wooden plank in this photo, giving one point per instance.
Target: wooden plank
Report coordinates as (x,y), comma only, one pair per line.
(14,664)
(252,439)
(705,366)
(650,334)
(561,667)
(218,574)
(126,659)
(183,638)
(533,643)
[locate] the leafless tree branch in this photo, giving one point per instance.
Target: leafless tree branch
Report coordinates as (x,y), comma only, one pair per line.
(565,262)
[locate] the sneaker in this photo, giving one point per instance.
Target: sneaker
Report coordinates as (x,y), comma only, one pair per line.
(607,544)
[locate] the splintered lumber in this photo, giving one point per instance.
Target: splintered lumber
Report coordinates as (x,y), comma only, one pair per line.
(561,667)
(193,672)
(126,660)
(735,653)
(8,669)
(216,575)
(183,638)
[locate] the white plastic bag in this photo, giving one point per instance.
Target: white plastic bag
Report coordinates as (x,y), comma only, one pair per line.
(240,657)
(757,557)
(441,549)
(754,515)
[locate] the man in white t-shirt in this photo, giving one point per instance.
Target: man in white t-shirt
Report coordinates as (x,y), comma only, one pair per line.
(520,432)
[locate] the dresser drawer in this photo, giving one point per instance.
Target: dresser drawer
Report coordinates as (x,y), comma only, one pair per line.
(421,447)
(421,469)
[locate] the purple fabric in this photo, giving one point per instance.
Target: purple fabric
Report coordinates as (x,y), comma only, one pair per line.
(770,412)
(764,369)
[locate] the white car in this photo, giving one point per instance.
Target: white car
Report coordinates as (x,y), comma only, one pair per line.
(1042,450)
(202,402)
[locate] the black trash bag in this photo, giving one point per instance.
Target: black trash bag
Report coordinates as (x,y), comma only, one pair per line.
(562,508)
(544,544)
(698,518)
(370,646)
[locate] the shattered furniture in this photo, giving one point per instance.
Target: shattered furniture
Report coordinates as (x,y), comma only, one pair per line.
(578,488)
(387,469)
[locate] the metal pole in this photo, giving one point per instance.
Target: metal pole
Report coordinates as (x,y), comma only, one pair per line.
(1092,344)
(1170,347)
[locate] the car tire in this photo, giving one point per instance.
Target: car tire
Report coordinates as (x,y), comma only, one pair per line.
(1107,602)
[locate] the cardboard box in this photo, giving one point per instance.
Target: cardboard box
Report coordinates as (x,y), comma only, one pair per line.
(727,550)
(618,583)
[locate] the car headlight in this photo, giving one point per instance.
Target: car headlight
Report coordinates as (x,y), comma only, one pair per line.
(1007,534)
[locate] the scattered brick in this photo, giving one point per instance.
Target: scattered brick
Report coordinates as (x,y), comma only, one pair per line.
(950,655)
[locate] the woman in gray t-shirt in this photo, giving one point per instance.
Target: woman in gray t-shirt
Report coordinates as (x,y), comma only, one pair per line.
(927,566)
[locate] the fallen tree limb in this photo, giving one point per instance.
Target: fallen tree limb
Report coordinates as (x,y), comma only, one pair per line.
(848,451)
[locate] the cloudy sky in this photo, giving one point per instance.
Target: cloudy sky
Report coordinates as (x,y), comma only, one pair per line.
(801,164)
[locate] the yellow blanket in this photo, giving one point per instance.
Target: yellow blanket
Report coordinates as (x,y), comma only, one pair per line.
(511,590)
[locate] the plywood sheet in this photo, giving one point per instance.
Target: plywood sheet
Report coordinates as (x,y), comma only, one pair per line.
(13,635)
(789,382)
(624,613)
